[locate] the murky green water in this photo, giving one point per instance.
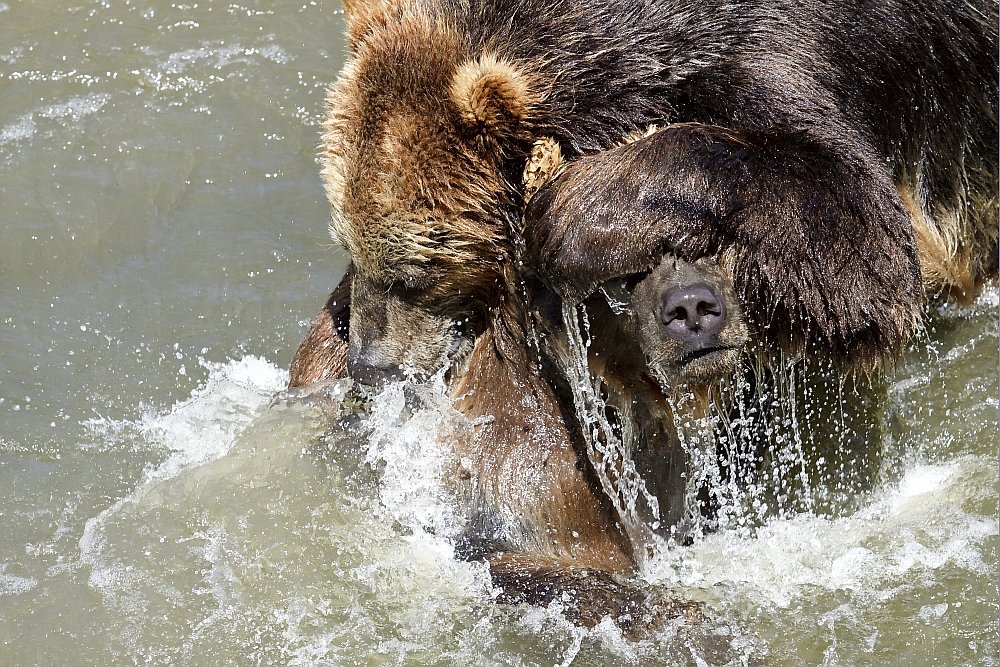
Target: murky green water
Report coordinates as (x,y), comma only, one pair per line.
(163,243)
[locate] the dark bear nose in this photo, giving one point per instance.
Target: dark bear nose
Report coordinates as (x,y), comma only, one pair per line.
(691,311)
(372,370)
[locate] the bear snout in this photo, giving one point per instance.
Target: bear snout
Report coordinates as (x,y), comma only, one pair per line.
(372,370)
(691,314)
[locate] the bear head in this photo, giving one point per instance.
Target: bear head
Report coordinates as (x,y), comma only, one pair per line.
(423,147)
(823,264)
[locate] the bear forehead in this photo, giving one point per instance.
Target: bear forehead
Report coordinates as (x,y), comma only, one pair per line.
(405,189)
(387,244)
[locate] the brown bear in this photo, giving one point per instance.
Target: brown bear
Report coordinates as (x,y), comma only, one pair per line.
(812,140)
(558,491)
(790,135)
(551,502)
(559,506)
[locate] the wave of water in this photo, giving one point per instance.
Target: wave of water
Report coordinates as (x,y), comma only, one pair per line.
(299,531)
(911,529)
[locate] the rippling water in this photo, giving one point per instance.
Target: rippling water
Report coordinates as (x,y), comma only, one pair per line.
(164,244)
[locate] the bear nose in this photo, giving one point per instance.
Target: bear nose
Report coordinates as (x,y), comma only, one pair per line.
(372,370)
(689,312)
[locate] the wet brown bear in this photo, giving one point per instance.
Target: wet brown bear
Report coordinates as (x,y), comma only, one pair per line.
(548,508)
(547,496)
(551,493)
(804,124)
(810,122)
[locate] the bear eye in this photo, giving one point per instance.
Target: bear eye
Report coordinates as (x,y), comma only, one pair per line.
(412,279)
(633,279)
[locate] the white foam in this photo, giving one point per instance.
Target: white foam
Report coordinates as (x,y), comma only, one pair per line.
(275,54)
(199,429)
(21,129)
(913,526)
(406,449)
(14,585)
(989,298)
(76,107)
(918,481)
(223,584)
(987,301)
(203,427)
(220,55)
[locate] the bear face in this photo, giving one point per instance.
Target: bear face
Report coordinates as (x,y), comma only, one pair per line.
(818,265)
(683,317)
(547,491)
(676,331)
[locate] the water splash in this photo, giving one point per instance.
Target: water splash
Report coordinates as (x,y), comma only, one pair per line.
(782,437)
(609,452)
(696,431)
(911,527)
(271,534)
(14,585)
(404,448)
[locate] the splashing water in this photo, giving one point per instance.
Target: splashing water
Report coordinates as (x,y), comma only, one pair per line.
(160,512)
(784,436)
(610,454)
(306,531)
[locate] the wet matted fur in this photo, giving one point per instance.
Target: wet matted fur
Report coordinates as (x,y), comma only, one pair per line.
(812,140)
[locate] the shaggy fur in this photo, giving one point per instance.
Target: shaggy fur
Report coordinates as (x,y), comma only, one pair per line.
(804,123)
(539,513)
(789,133)
(549,528)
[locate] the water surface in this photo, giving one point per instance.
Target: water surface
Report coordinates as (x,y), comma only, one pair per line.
(164,245)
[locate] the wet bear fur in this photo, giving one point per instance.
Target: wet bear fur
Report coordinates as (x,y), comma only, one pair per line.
(436,110)
(538,513)
(845,153)
(322,354)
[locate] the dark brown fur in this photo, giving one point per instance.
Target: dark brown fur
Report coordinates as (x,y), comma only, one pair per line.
(794,131)
(537,511)
(789,140)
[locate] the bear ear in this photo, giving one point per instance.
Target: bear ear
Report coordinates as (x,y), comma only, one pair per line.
(492,96)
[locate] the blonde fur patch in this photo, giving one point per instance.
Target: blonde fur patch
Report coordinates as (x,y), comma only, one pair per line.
(544,164)
(546,161)
(492,94)
(636,135)
(945,268)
